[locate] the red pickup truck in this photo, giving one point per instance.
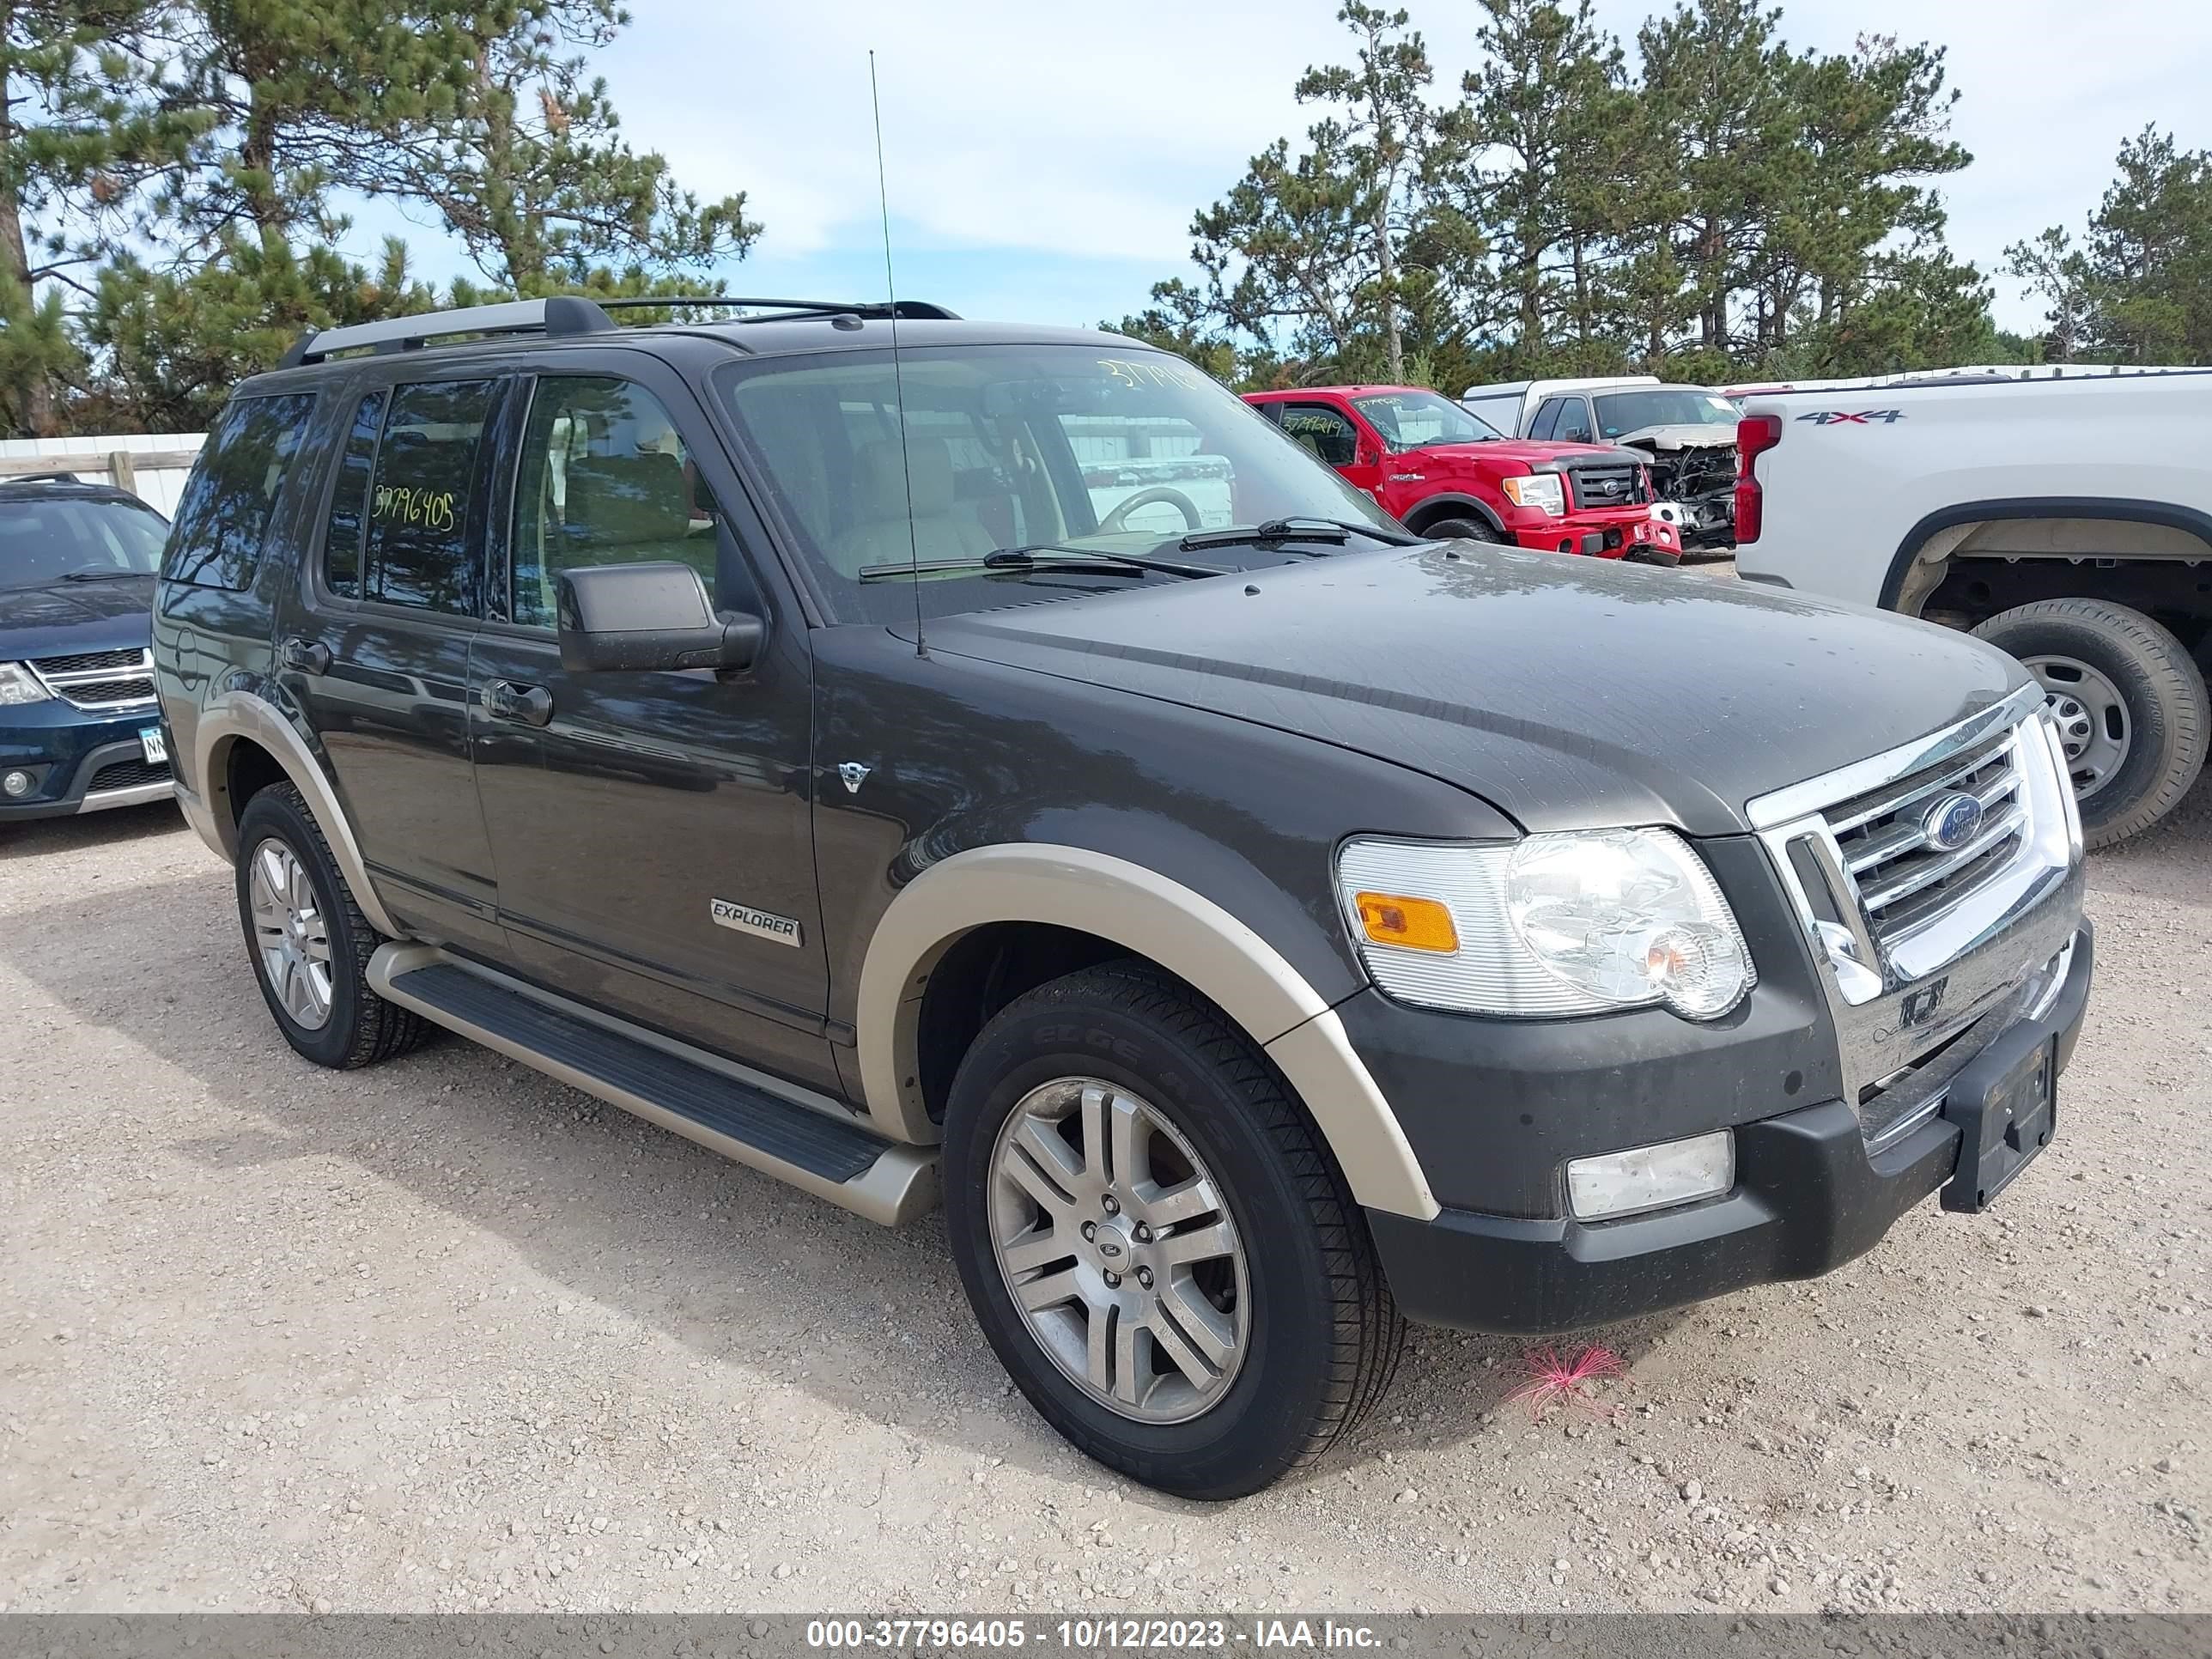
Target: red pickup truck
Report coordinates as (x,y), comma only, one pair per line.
(1441,471)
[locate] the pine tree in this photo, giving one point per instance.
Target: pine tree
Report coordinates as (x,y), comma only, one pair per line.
(78,122)
(528,168)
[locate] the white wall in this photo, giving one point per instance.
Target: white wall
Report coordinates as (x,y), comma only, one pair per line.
(87,458)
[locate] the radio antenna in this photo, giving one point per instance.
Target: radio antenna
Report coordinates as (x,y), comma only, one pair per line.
(898,378)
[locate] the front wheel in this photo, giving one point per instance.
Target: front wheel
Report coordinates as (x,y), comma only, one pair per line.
(1462,529)
(1156,1244)
(2129,703)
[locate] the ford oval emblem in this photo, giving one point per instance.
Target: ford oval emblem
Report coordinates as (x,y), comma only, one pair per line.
(1950,821)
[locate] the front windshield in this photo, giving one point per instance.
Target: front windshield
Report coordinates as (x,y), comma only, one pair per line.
(1105,449)
(46,540)
(1622,412)
(1409,420)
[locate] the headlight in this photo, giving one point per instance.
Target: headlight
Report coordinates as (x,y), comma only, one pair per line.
(1538,490)
(19,684)
(1573,923)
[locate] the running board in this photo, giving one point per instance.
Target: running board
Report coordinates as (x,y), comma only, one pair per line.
(716,1103)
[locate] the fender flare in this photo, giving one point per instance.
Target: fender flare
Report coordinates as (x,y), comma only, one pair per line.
(237,714)
(1462,507)
(2119,508)
(1185,932)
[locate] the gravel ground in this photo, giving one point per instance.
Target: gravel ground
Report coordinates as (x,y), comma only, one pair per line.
(444,1334)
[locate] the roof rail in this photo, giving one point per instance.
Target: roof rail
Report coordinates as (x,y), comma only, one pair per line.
(561,314)
(42,477)
(908,310)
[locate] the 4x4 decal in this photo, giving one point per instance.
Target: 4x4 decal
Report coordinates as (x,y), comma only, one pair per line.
(1864,417)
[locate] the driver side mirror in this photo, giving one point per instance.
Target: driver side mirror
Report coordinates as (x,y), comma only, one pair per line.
(646,616)
(1366,455)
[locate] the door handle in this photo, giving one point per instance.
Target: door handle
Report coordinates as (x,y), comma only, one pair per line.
(305,656)
(531,705)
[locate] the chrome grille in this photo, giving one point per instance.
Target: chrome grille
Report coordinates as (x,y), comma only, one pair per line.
(1904,883)
(1610,485)
(98,680)
(1917,941)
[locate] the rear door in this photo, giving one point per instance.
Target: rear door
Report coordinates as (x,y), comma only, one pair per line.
(652,832)
(373,644)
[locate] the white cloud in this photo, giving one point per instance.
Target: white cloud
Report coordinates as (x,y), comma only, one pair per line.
(1090,131)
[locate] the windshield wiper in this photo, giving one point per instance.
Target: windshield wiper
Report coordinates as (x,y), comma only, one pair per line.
(1057,557)
(100,573)
(1300,529)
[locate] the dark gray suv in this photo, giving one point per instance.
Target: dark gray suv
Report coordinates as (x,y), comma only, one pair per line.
(925,759)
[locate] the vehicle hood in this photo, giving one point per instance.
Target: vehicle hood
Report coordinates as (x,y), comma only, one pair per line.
(1568,693)
(1679,437)
(1523,452)
(61,619)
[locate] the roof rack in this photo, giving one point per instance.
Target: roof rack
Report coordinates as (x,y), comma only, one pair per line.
(563,314)
(41,478)
(569,314)
(906,310)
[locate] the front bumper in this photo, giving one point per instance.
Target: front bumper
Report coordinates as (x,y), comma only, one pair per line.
(1621,533)
(1808,1197)
(83,763)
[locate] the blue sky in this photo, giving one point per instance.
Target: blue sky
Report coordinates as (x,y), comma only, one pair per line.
(1044,161)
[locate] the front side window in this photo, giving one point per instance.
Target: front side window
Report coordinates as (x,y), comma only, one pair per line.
(232,494)
(423,520)
(1327,432)
(1573,426)
(894,484)
(1621,413)
(1411,420)
(605,479)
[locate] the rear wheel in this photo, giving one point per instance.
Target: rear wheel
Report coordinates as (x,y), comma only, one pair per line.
(2129,703)
(1154,1240)
(309,940)
(1464,530)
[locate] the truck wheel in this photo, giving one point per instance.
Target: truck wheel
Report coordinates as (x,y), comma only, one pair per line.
(309,941)
(1464,530)
(1154,1239)
(2129,703)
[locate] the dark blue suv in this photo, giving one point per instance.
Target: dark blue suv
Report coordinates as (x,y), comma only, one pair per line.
(79,728)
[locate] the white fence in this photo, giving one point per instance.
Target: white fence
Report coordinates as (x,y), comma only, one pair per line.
(151,465)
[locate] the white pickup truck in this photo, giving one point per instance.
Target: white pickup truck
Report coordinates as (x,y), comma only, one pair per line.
(2068,521)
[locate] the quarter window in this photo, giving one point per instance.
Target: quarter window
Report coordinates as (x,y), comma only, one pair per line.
(349,501)
(232,492)
(605,479)
(420,547)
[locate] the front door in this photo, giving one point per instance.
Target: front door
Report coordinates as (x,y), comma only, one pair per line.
(1331,433)
(372,645)
(652,832)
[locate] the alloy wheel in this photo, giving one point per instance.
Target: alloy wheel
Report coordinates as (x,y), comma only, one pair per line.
(290,934)
(1119,1249)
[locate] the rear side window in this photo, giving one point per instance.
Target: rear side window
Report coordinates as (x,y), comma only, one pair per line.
(225,512)
(423,526)
(349,501)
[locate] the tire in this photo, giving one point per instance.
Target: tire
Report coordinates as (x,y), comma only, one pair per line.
(1320,1335)
(357,1027)
(1465,530)
(2129,698)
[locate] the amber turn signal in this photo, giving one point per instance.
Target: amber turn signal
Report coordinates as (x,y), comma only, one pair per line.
(1417,924)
